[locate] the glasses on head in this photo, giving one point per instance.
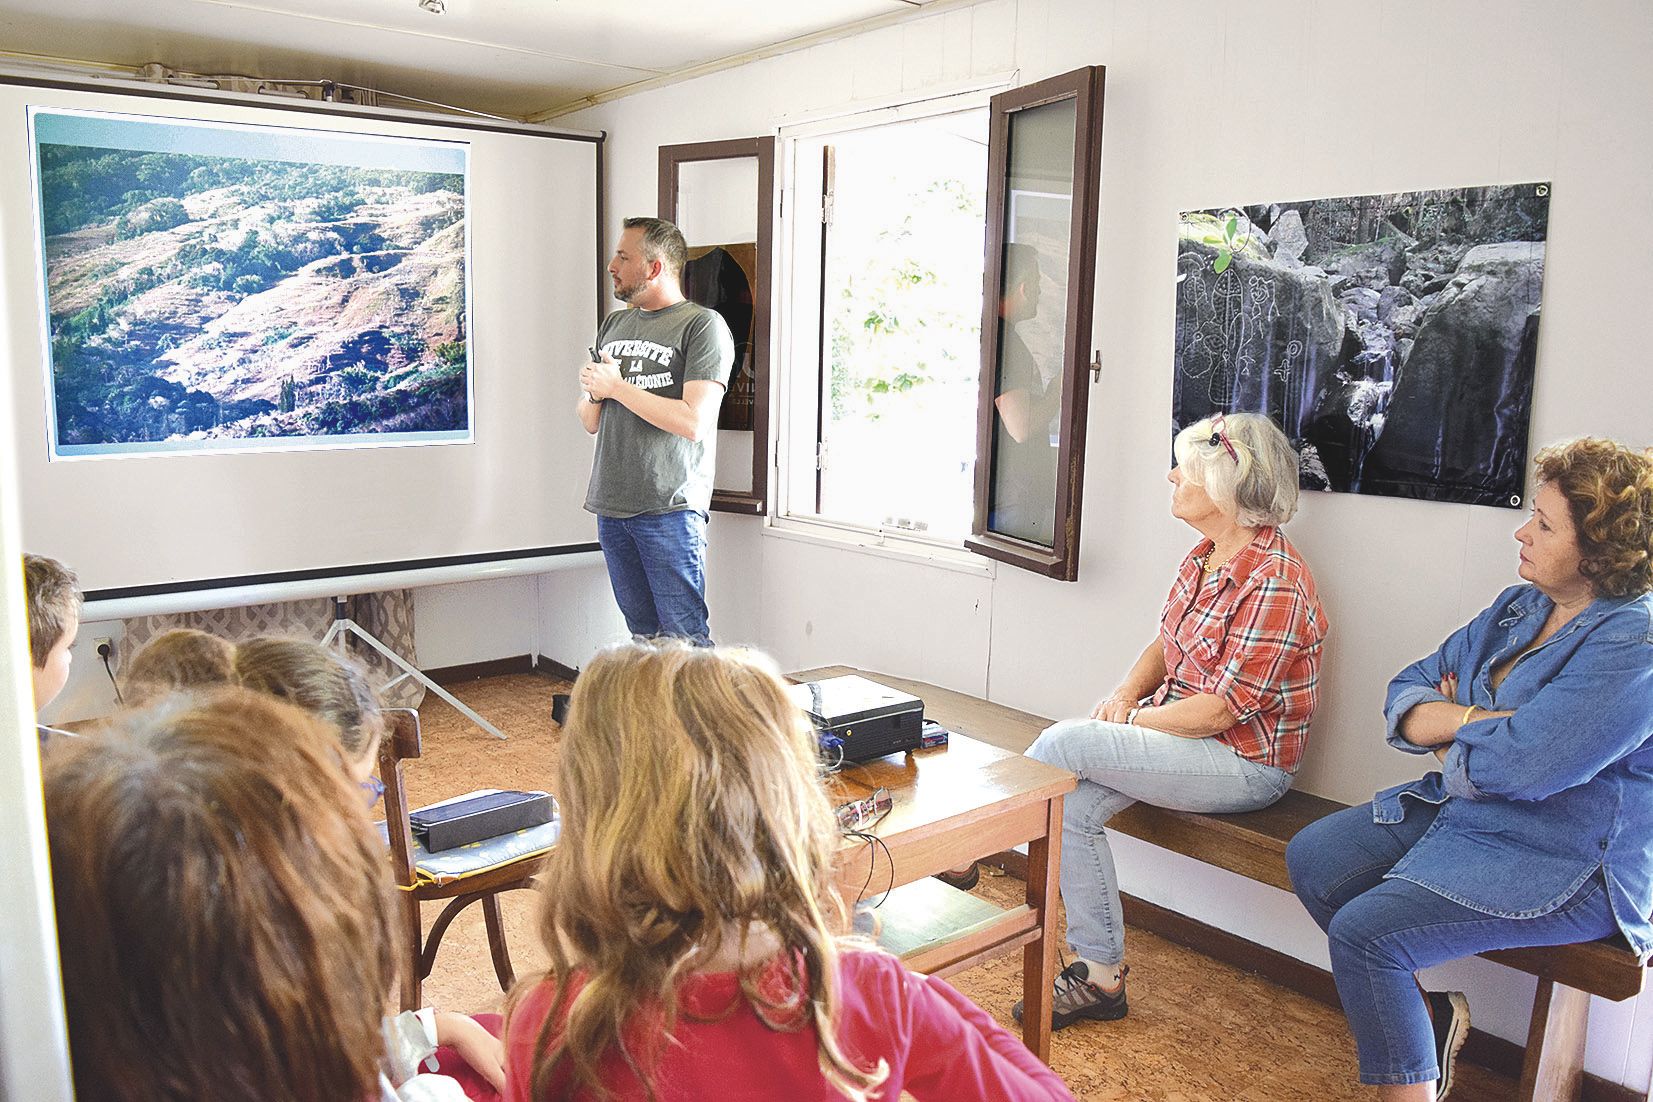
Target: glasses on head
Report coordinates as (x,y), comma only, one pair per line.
(1218,436)
(373,788)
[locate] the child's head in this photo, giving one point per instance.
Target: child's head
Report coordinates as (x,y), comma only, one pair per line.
(323,684)
(182,658)
(53,595)
(693,813)
(222,906)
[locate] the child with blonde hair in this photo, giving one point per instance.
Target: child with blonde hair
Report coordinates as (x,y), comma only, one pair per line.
(691,919)
(179,658)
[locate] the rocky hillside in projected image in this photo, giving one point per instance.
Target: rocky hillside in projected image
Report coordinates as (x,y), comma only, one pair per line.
(297,301)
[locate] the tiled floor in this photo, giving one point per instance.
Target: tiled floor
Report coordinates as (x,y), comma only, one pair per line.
(1198,1031)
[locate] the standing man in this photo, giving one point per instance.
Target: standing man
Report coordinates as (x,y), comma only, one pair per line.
(652,403)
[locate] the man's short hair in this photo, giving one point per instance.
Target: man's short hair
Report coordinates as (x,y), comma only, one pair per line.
(662,241)
(52,593)
(1021,265)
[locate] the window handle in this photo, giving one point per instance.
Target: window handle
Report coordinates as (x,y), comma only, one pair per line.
(1096,367)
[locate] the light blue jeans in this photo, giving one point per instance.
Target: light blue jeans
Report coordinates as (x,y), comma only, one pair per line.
(1117,766)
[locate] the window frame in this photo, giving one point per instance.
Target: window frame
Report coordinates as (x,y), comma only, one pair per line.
(1085,86)
(800,372)
(753,502)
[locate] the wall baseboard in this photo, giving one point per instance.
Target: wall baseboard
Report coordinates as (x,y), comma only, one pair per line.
(550,667)
(500,667)
(1483,1049)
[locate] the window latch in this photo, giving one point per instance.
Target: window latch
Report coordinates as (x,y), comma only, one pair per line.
(1096,367)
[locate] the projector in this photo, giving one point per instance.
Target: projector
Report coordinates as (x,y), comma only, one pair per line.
(858,719)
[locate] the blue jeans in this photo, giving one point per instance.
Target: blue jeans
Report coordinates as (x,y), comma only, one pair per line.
(1118,765)
(1382,931)
(657,566)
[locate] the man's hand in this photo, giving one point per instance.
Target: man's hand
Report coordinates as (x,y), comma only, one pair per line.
(484,1052)
(601,380)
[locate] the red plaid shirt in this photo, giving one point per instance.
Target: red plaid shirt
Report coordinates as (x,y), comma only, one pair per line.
(1251,635)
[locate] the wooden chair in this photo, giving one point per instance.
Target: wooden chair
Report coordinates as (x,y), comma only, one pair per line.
(401,742)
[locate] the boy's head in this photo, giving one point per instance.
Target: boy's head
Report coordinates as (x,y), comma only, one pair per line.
(53,595)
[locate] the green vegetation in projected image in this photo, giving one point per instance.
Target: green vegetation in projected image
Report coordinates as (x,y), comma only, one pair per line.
(208,301)
(902,318)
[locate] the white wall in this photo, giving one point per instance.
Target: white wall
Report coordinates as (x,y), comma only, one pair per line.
(1211,105)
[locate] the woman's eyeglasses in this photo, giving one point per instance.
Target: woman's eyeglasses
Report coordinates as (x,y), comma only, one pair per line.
(372,789)
(1218,436)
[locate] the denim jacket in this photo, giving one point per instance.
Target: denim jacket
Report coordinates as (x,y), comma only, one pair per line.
(1534,803)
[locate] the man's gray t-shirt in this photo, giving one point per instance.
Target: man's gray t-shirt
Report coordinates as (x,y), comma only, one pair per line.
(639,468)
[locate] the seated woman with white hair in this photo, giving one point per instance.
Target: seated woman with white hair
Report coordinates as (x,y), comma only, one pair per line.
(1214,714)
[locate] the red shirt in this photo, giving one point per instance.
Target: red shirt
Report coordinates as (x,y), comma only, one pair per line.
(1251,634)
(938,1044)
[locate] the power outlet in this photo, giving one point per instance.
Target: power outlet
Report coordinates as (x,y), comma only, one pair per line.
(103,646)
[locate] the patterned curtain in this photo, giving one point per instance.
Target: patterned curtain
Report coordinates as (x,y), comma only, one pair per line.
(386,616)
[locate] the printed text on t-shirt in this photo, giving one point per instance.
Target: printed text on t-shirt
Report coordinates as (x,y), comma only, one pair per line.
(648,350)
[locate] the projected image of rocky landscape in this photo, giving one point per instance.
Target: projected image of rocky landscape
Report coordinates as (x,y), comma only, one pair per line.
(1393,336)
(225,287)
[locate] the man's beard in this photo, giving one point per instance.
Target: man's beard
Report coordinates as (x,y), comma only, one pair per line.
(625,292)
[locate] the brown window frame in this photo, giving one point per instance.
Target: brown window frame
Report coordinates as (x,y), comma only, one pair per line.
(1061,561)
(672,157)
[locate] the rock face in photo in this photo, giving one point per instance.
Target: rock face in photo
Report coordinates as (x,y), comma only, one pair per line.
(1464,391)
(1392,336)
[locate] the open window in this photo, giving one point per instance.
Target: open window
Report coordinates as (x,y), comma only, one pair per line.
(1043,184)
(883,242)
(721,195)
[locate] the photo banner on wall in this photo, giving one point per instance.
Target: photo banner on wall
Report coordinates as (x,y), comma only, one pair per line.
(1393,337)
(221,287)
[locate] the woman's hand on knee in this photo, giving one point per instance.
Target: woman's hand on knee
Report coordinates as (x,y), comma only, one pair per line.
(1114,709)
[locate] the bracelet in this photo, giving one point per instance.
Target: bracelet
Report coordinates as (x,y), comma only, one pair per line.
(1467,711)
(1130,717)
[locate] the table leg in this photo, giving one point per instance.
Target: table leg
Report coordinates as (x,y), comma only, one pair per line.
(1044,862)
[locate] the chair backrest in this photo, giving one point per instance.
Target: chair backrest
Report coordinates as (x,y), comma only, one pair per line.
(401,742)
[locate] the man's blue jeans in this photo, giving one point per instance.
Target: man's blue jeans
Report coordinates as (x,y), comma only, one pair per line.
(657,566)
(1382,931)
(1118,765)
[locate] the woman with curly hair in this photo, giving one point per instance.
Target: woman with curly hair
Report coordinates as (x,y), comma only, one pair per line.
(690,915)
(1538,827)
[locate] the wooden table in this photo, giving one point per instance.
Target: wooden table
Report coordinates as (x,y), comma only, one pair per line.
(952,805)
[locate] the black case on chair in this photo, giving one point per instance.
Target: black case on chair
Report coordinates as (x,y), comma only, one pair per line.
(482,815)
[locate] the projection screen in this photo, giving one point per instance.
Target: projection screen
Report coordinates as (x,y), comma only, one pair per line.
(255,343)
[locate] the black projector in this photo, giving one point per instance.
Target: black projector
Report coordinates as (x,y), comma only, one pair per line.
(859,720)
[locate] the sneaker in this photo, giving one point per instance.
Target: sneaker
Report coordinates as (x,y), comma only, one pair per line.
(1075,997)
(1449,1015)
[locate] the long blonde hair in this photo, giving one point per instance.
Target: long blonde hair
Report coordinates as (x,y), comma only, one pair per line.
(692,812)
